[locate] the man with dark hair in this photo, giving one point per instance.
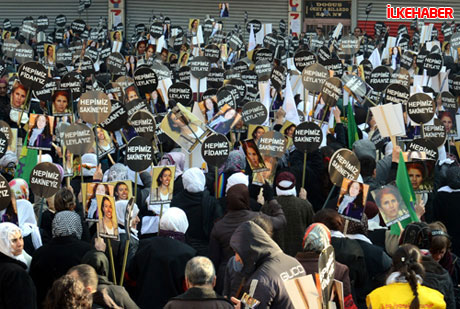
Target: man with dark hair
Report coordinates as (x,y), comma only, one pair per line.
(200,279)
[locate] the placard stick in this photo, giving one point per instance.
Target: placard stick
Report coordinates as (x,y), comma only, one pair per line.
(329,196)
(81,183)
(400,226)
(392,137)
(304,168)
(68,181)
(135,186)
(97,148)
(423,130)
(125,259)
(23,107)
(216,182)
(345,228)
(109,241)
(40,156)
(326,107)
(42,202)
(110,158)
(198,91)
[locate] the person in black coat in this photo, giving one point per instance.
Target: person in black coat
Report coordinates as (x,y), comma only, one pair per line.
(156,272)
(16,287)
(201,208)
(64,251)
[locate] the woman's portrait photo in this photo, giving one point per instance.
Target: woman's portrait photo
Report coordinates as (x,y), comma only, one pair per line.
(256,131)
(225,120)
(288,129)
(223,9)
(193,25)
(390,204)
(92,191)
(67,163)
(253,156)
(6,35)
(117,41)
(122,190)
(104,142)
(269,174)
(131,93)
(395,57)
(61,103)
(50,55)
(157,104)
(448,121)
(18,96)
(183,59)
(209,108)
(108,226)
(352,199)
(184,128)
(162,184)
(421,175)
(40,132)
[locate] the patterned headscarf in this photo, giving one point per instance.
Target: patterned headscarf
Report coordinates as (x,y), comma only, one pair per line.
(67,223)
(117,172)
(316,238)
(174,158)
(236,162)
(20,188)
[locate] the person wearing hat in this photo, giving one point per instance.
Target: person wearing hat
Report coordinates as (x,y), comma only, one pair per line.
(317,238)
(299,214)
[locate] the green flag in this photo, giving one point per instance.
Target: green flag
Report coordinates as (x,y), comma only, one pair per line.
(27,161)
(407,192)
(352,128)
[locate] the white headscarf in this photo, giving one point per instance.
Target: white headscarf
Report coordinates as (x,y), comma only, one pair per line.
(288,192)
(7,229)
(174,219)
(235,179)
(28,222)
(194,180)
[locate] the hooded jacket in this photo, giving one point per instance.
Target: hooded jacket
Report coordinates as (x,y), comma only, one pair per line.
(365,147)
(265,262)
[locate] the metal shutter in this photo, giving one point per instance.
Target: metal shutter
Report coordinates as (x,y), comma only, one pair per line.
(180,11)
(17,10)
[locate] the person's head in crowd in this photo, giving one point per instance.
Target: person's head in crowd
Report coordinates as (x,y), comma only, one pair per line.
(89,164)
(11,242)
(390,203)
(364,147)
(358,227)
(236,162)
(18,95)
(86,275)
(121,191)
(117,172)
(453,177)
(416,172)
(120,207)
(100,189)
(8,165)
(164,55)
(447,120)
(28,222)
(265,224)
(194,180)
(98,261)
(407,262)
(238,198)
(235,179)
(174,224)
(289,131)
(19,188)
(3,87)
(68,292)
(164,177)
(285,184)
(200,272)
(368,166)
(417,234)
(10,213)
(319,31)
(358,32)
(317,237)
(64,200)
(174,158)
(257,133)
(60,101)
(330,218)
(440,240)
(67,223)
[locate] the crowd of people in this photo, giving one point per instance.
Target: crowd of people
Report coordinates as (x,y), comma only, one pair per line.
(187,237)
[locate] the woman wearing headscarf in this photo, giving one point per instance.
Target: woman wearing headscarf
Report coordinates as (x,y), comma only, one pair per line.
(28,226)
(317,238)
(157,269)
(16,287)
(119,246)
(238,211)
(99,261)
(64,251)
(201,208)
